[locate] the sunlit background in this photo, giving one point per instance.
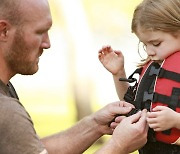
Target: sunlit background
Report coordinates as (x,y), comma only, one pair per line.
(71,82)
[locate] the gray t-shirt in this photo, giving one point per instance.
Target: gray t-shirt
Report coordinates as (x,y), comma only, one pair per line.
(17,133)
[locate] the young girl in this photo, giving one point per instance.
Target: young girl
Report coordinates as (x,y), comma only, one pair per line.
(157,25)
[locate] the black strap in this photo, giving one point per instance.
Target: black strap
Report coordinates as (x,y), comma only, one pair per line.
(144,94)
(137,71)
(130,94)
(172,101)
(175,98)
(130,79)
(169,75)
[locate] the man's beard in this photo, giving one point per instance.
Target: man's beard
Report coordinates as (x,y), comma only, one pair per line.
(17,56)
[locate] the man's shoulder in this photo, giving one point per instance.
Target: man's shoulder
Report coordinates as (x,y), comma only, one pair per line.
(16,128)
(8,104)
(12,111)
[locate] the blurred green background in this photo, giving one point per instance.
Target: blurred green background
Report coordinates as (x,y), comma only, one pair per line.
(71,83)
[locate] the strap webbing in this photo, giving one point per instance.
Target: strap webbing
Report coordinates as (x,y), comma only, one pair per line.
(172,101)
(169,75)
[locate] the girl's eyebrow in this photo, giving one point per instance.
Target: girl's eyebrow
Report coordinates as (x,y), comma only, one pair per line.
(150,40)
(153,40)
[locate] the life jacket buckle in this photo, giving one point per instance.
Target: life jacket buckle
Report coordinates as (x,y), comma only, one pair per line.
(154,71)
(147,96)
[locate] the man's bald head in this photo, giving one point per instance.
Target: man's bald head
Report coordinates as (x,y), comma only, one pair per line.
(9,10)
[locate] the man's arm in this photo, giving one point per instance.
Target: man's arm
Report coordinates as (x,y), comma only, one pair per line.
(74,140)
(82,135)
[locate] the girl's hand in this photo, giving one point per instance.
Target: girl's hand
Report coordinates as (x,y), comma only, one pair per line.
(112,60)
(162,118)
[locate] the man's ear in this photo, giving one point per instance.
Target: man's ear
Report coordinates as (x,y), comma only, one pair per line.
(4,29)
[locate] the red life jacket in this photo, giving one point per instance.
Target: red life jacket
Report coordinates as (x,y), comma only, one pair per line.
(158,86)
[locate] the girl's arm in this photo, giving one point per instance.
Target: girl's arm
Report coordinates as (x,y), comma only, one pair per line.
(113,61)
(121,87)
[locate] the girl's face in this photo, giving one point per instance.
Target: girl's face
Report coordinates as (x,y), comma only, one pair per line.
(159,45)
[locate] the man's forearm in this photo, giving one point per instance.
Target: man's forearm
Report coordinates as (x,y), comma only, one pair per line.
(74,140)
(110,147)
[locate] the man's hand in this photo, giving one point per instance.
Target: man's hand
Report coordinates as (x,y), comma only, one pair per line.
(131,133)
(104,116)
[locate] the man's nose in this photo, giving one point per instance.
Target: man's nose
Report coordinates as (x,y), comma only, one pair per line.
(46,42)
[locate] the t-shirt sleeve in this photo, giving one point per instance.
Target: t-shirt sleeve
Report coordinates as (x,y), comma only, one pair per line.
(17,132)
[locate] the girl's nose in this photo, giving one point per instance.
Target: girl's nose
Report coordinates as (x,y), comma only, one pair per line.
(150,51)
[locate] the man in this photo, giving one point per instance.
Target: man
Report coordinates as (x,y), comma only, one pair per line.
(24,26)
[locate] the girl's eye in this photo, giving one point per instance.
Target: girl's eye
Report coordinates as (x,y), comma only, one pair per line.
(156,44)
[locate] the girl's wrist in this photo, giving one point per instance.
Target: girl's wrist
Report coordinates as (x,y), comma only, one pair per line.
(120,74)
(177,122)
